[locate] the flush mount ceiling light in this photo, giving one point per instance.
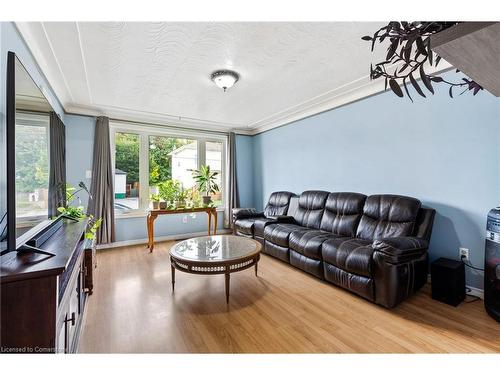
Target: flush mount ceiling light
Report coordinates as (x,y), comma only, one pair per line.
(225,79)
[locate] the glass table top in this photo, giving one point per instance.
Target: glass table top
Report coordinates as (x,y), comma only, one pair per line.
(215,248)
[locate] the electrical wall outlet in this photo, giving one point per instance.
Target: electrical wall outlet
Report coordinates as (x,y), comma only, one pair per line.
(463,252)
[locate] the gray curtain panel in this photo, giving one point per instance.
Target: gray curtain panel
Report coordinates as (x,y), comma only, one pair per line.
(57,169)
(102,202)
(234,199)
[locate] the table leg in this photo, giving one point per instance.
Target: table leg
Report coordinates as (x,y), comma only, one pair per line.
(209,221)
(173,277)
(215,221)
(151,233)
(227,286)
(148,219)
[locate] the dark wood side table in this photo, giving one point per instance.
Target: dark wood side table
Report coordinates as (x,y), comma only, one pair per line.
(153,214)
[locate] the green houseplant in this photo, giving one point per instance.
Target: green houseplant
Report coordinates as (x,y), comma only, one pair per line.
(155,198)
(169,192)
(206,182)
(77,212)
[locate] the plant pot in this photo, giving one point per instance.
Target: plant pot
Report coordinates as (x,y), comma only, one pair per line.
(163,205)
(156,205)
(180,204)
(207,199)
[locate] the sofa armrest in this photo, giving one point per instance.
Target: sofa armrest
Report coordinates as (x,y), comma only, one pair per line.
(282,218)
(400,249)
(400,266)
(245,213)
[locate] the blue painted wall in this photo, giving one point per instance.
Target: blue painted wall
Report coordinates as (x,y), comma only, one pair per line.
(446,152)
(10,40)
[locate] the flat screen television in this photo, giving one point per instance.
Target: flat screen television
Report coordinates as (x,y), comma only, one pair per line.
(28,161)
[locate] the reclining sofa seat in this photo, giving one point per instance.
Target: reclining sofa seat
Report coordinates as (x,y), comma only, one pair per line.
(373,246)
(340,216)
(250,223)
(305,216)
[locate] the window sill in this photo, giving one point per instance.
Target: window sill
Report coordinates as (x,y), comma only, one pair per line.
(137,214)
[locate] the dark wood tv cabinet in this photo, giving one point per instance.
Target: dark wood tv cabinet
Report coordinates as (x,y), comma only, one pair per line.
(43,298)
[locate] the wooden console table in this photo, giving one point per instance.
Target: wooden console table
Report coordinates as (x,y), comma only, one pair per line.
(153,214)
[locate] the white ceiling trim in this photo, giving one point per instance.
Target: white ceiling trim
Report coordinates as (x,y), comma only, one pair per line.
(124,114)
(338,97)
(84,64)
(38,42)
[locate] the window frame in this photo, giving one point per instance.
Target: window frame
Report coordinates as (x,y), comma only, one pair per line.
(34,118)
(144,131)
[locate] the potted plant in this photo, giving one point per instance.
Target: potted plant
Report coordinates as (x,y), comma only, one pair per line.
(193,198)
(206,182)
(168,191)
(155,198)
(180,198)
(77,212)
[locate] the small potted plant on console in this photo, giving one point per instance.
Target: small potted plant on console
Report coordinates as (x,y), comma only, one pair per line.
(206,181)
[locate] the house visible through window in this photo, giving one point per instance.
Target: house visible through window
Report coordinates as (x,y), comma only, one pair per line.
(158,158)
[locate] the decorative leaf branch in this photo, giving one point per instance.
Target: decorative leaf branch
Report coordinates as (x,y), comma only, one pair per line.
(408,52)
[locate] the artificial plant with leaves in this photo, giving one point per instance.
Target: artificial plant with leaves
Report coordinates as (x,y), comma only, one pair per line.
(408,55)
(206,179)
(77,212)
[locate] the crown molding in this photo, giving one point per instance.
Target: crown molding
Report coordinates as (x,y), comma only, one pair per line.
(37,41)
(124,114)
(348,93)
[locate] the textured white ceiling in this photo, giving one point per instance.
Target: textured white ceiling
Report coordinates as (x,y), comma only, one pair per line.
(160,71)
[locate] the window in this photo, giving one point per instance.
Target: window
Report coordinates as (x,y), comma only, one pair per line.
(32,166)
(126,176)
(213,159)
(154,157)
(172,158)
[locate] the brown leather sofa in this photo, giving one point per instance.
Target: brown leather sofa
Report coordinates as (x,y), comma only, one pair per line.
(374,246)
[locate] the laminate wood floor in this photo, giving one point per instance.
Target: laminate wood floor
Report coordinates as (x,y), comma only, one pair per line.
(284,310)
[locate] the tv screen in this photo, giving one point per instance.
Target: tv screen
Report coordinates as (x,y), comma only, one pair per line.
(32,152)
(28,156)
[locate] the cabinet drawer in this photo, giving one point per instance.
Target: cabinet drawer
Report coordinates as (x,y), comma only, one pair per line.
(70,310)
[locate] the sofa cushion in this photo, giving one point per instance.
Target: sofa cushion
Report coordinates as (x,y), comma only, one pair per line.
(260,225)
(312,266)
(361,285)
(388,216)
(279,233)
(310,210)
(308,242)
(280,252)
(278,203)
(342,213)
(353,255)
(245,226)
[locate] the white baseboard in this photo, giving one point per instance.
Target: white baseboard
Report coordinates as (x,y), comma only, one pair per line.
(471,291)
(476,292)
(144,241)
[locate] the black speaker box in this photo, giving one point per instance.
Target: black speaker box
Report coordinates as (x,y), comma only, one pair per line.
(448,281)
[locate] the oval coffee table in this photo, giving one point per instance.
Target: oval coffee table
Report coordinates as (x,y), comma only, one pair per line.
(214,255)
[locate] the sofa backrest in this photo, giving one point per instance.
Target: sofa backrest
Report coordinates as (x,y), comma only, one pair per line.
(278,203)
(423,226)
(310,210)
(388,216)
(342,213)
